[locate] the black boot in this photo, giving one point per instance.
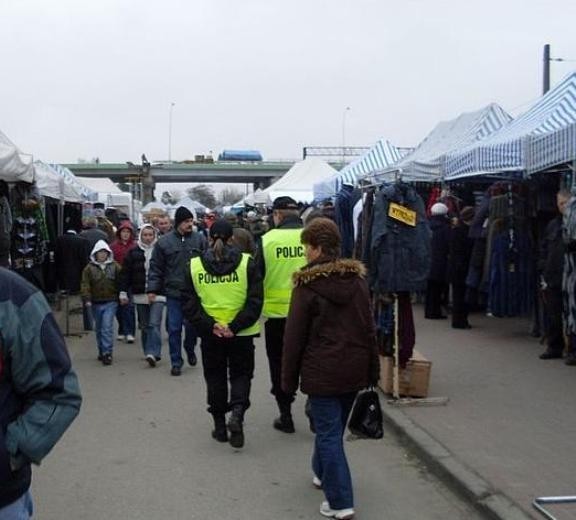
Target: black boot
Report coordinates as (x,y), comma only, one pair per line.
(219,432)
(235,426)
(284,423)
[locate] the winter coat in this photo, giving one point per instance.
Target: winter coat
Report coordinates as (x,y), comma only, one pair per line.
(440,248)
(119,248)
(170,259)
(39,392)
(71,256)
(399,253)
(191,303)
(551,264)
(330,337)
(100,281)
(134,273)
(461,246)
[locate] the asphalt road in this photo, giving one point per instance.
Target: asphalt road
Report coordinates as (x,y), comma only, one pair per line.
(141,450)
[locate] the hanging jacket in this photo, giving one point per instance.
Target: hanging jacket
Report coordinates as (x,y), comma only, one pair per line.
(39,392)
(399,254)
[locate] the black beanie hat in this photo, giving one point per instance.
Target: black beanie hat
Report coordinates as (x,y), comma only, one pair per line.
(221,229)
(182,214)
(284,203)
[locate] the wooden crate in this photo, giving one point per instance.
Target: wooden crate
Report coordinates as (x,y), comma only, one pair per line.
(414,379)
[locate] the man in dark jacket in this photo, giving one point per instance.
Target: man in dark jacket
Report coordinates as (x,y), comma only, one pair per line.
(39,392)
(461,246)
(93,233)
(551,267)
(167,276)
(281,255)
(71,256)
(437,288)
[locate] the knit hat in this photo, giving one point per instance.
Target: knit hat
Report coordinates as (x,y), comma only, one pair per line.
(439,209)
(182,214)
(221,229)
(284,203)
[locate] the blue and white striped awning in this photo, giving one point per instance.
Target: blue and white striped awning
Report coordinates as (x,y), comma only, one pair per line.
(381,155)
(427,161)
(542,137)
(87,193)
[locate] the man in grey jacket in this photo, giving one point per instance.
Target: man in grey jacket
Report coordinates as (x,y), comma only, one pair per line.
(166,276)
(39,392)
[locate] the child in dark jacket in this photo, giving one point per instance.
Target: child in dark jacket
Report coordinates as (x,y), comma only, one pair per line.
(100,292)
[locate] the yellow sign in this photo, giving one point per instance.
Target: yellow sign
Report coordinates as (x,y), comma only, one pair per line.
(402,214)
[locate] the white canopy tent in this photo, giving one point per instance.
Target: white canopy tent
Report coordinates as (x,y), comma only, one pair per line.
(298,182)
(51,184)
(14,165)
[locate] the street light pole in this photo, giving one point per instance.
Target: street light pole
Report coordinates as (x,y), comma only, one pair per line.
(546,71)
(346,110)
(170,132)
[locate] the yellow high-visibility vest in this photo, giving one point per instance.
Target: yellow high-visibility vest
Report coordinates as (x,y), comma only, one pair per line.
(222,297)
(283,254)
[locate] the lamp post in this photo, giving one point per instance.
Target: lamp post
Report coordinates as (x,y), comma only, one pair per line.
(170,132)
(346,110)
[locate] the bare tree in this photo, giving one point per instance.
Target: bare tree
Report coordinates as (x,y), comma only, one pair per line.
(203,194)
(230,196)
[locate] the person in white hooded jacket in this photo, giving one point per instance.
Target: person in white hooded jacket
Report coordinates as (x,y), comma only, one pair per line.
(133,279)
(99,290)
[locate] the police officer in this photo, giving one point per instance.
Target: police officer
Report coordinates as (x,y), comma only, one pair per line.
(282,254)
(223,299)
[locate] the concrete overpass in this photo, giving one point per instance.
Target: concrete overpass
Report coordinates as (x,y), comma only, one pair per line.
(260,174)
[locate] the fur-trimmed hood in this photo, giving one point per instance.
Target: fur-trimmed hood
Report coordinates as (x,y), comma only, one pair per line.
(335,280)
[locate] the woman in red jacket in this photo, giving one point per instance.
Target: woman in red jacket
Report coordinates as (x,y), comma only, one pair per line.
(126,314)
(330,346)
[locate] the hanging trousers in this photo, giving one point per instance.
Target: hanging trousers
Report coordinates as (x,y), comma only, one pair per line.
(435,294)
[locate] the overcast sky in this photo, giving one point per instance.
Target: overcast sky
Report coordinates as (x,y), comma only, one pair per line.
(82,78)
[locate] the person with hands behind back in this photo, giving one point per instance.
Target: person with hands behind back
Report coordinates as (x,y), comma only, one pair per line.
(330,347)
(222,298)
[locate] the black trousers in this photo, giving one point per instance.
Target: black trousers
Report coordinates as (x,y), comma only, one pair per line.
(274,333)
(554,326)
(435,298)
(223,360)
(459,306)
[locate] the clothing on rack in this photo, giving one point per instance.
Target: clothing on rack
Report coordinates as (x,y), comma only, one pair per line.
(344,204)
(399,253)
(5,231)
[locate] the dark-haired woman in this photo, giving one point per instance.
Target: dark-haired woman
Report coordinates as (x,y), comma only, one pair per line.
(330,347)
(223,300)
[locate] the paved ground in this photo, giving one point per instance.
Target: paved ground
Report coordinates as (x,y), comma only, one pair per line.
(511,417)
(141,449)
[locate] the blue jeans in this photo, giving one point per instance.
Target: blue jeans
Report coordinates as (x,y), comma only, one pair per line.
(126,319)
(175,323)
(104,324)
(149,322)
(20,510)
(330,415)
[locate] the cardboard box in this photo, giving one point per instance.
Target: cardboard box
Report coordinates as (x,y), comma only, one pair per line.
(414,379)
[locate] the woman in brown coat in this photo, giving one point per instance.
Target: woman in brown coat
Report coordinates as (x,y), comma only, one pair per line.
(330,346)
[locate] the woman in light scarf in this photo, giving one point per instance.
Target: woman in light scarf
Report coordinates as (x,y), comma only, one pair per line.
(133,279)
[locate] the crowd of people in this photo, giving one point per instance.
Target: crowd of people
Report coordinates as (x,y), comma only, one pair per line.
(216,278)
